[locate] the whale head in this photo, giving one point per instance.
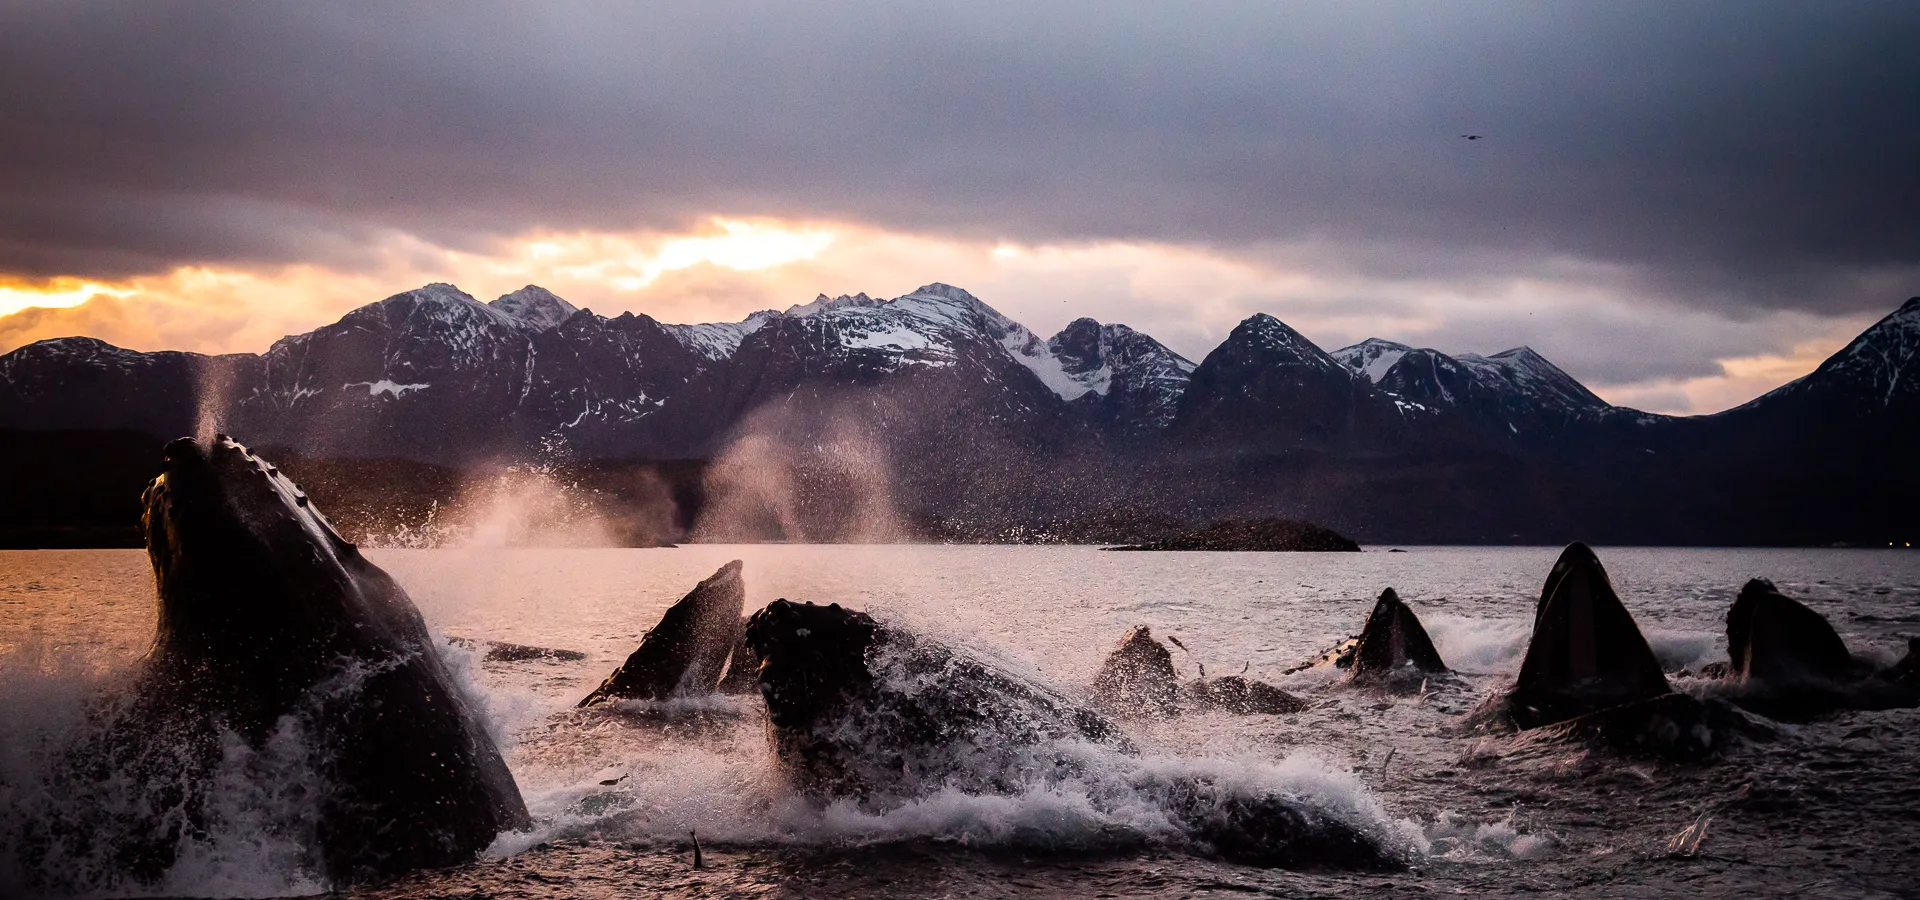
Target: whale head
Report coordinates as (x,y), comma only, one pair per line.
(1586,652)
(1393,642)
(810,657)
(254,582)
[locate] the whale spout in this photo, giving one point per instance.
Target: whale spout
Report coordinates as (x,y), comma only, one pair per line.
(1394,644)
(266,616)
(686,653)
(1586,653)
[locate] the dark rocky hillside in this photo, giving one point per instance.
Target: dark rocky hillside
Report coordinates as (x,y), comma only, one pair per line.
(933,416)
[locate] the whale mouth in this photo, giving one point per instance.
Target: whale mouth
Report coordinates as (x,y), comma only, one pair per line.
(810,656)
(1586,653)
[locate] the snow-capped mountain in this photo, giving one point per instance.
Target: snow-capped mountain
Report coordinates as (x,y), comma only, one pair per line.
(716,341)
(1372,358)
(1268,388)
(1876,373)
(82,382)
(925,328)
(1515,392)
(981,419)
(535,307)
(434,373)
(928,354)
(425,372)
(1131,381)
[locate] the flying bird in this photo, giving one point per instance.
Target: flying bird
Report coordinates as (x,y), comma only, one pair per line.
(1473,137)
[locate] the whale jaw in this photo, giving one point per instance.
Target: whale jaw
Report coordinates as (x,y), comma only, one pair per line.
(1788,663)
(1586,653)
(1137,678)
(1772,637)
(258,594)
(686,653)
(1393,643)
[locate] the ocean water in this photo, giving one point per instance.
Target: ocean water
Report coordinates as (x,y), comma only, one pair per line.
(1830,808)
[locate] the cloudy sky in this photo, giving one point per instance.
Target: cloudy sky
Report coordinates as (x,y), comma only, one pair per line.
(1682,204)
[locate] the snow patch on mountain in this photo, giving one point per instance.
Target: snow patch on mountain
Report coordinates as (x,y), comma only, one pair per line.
(886,336)
(1372,357)
(376,388)
(716,341)
(824,303)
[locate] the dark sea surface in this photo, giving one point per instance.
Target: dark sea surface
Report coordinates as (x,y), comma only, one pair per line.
(1830,808)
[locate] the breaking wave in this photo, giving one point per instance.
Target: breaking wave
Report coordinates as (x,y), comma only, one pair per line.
(72,811)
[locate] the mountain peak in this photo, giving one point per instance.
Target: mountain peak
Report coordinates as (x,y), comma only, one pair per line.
(436,301)
(1879,365)
(1267,336)
(823,303)
(535,306)
(944,291)
(1373,357)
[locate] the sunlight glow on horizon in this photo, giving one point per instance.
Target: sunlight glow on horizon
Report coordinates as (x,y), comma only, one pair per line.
(743,246)
(59,293)
(1187,296)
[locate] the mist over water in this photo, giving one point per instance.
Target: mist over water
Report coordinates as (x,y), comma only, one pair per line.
(616,790)
(802,479)
(530,505)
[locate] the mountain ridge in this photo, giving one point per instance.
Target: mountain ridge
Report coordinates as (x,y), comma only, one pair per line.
(986,424)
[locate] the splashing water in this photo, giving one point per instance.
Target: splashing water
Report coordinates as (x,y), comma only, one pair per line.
(617,789)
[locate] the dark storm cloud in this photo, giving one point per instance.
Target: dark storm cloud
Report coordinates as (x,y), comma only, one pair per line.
(1740,156)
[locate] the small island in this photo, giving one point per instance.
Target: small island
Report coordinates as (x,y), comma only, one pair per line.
(1286,535)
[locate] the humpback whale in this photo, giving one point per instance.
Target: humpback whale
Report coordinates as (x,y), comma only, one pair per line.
(1589,674)
(871,711)
(1787,662)
(1393,647)
(1772,637)
(1586,653)
(1233,693)
(1393,651)
(269,624)
(1137,678)
(687,651)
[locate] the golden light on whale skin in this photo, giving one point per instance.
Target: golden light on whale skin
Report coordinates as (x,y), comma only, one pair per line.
(59,293)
